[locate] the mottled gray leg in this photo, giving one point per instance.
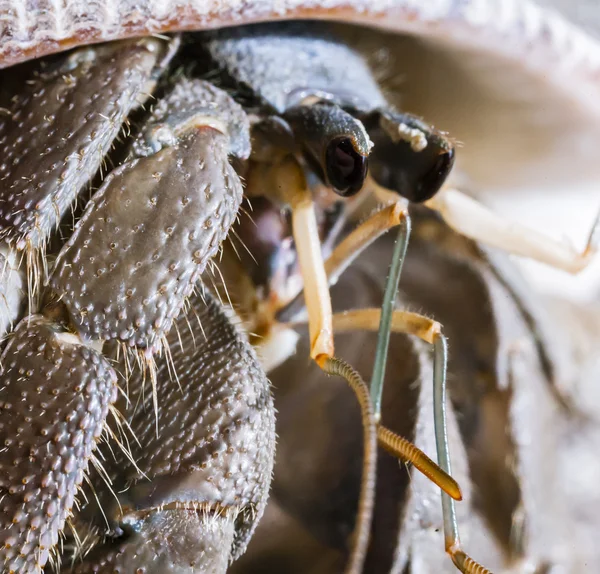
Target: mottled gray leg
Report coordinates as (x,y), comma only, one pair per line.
(193,495)
(61,125)
(157,220)
(54,398)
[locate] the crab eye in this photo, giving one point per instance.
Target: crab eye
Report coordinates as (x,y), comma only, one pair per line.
(346,168)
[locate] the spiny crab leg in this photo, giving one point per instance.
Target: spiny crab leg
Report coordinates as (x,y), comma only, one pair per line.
(49,439)
(124,275)
(472,219)
(189,500)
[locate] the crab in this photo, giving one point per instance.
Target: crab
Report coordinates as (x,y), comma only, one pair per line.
(139,437)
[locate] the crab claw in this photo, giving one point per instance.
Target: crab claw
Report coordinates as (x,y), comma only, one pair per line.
(188,499)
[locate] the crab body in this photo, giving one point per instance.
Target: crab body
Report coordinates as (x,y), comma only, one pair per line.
(136,437)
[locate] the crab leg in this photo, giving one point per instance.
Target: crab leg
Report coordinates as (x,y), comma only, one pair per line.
(358,240)
(286,180)
(350,248)
(189,499)
(158,219)
(471,218)
(290,185)
(61,126)
(55,396)
(361,237)
(451,537)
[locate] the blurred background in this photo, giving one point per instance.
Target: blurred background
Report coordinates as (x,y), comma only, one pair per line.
(569,213)
(528,137)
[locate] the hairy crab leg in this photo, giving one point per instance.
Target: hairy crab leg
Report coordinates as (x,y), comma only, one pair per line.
(55,396)
(472,219)
(189,499)
(67,116)
(53,140)
(125,274)
(148,233)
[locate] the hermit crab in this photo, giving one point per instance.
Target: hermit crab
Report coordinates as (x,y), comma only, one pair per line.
(184,188)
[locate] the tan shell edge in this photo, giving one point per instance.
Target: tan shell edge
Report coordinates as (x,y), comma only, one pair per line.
(517,28)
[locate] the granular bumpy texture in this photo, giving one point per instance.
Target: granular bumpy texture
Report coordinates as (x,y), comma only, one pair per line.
(54,399)
(145,238)
(67,117)
(213,456)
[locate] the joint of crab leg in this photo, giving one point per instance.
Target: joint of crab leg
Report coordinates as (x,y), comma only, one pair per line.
(361,237)
(182,199)
(474,220)
(335,366)
(351,247)
(402,322)
(427,330)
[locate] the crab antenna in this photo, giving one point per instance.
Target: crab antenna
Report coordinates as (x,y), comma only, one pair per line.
(336,366)
(387,309)
(451,536)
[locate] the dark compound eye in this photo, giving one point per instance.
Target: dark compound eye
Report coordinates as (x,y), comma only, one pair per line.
(346,168)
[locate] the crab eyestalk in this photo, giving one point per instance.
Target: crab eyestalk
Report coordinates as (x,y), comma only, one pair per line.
(335,145)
